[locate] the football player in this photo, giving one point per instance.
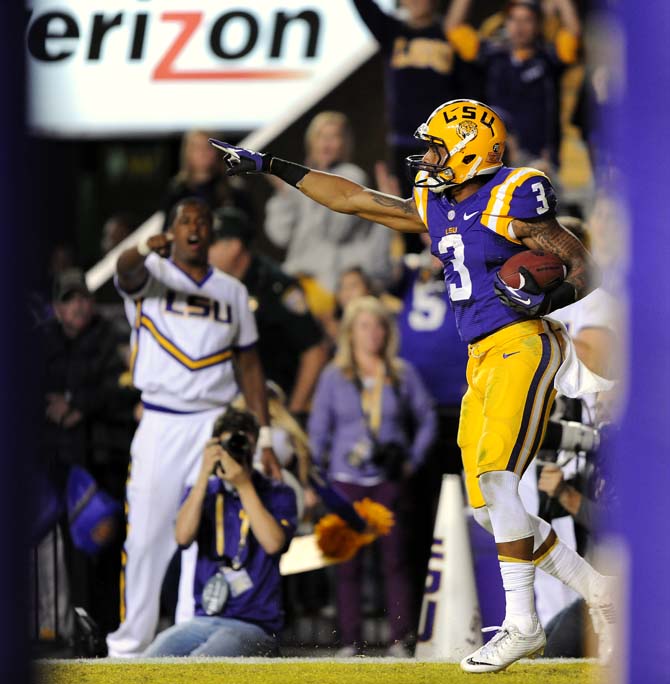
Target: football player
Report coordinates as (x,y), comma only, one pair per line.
(479,213)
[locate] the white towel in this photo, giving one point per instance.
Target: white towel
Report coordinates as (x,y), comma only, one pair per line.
(573,378)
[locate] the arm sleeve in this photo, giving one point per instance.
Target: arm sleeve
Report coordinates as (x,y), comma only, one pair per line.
(247,332)
(465,41)
(145,288)
(566,45)
(321,419)
(281,216)
(533,198)
(381,25)
(160,272)
(423,412)
(375,253)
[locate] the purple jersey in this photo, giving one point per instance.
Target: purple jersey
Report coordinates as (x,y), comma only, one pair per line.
(474,238)
(428,332)
(219,542)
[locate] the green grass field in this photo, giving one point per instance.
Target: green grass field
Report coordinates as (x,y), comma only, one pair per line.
(302,671)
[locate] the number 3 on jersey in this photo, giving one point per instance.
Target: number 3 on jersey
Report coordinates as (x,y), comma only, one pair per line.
(538,189)
(454,242)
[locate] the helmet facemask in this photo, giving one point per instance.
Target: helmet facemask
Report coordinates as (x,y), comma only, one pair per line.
(465,139)
(437,177)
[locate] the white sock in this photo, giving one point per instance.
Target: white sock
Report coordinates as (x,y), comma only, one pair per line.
(518,579)
(568,566)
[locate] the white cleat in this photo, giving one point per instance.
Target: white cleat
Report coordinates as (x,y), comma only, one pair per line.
(603,617)
(506,647)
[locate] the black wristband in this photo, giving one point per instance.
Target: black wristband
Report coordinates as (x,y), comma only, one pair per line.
(286,170)
(564,295)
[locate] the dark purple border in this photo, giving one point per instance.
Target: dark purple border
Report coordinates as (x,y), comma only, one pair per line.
(18,412)
(638,138)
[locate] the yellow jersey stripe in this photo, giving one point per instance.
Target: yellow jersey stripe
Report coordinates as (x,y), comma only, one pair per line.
(495,215)
(182,357)
(134,350)
(421,198)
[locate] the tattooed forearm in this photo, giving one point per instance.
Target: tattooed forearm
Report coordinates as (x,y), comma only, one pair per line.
(550,236)
(406,206)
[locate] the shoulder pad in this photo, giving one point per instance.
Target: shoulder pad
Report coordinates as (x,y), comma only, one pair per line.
(524,193)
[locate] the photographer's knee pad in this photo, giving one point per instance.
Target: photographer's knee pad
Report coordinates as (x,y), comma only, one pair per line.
(509,519)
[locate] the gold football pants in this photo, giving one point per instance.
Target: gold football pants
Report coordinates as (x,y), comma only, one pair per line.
(505,410)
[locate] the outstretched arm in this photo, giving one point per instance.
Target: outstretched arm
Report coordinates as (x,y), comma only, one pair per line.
(335,192)
(342,195)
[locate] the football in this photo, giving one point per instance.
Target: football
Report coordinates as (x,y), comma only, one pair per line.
(547,269)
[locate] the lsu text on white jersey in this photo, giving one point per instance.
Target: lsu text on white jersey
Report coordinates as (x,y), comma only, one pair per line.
(184,334)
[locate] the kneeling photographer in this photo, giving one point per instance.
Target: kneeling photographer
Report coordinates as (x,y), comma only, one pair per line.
(242,523)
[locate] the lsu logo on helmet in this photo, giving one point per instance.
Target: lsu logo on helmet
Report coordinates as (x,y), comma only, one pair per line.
(466,138)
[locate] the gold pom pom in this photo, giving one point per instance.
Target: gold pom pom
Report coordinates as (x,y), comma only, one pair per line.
(336,539)
(339,542)
(380,519)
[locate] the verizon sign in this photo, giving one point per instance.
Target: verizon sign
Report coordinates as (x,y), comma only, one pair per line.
(115,67)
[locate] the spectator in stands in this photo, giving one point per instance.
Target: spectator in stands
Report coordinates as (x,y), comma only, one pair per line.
(115,230)
(320,243)
(522,77)
(60,258)
(421,64)
(88,422)
(360,425)
(242,523)
(352,283)
(201,175)
(290,344)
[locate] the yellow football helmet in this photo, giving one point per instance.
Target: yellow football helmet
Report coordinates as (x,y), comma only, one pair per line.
(467,139)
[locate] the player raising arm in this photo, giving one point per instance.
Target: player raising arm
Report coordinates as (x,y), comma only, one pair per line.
(193,338)
(479,214)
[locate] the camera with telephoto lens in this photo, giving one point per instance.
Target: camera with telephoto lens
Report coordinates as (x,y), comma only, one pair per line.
(239,447)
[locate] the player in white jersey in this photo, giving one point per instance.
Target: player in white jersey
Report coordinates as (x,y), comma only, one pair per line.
(193,334)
